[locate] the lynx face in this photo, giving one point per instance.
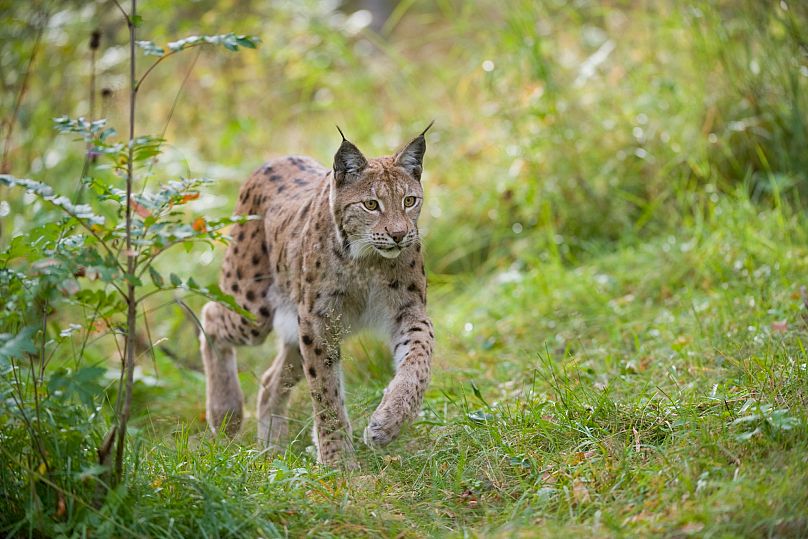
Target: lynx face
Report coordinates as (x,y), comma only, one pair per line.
(378,211)
(376,203)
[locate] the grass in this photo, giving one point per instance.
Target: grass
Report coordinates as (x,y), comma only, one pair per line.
(657,389)
(616,257)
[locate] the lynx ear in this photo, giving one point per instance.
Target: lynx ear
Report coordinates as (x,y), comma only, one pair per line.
(348,161)
(411,158)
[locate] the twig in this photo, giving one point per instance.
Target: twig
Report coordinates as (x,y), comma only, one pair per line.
(179,92)
(151,343)
(171,114)
(125,16)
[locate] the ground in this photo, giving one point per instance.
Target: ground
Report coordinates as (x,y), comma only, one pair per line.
(656,389)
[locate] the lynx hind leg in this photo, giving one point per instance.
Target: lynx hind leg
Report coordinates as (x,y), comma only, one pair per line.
(273,396)
(222,331)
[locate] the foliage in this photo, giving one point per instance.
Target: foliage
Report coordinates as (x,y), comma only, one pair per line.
(94,254)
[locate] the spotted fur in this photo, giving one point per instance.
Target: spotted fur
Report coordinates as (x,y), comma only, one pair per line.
(335,251)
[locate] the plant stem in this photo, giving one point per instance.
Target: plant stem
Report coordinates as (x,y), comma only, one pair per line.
(131,301)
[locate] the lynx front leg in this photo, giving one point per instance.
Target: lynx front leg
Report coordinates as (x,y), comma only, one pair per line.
(321,365)
(412,344)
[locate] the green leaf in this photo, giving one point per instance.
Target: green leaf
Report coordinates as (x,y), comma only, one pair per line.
(15,346)
(230,41)
(476,391)
(156,278)
(478,416)
(86,128)
(247,41)
(134,279)
(83,212)
(82,383)
(215,293)
(175,280)
(150,49)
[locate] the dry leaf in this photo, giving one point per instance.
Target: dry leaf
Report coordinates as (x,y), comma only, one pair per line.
(200,225)
(139,209)
(581,456)
(692,527)
(580,492)
(781,326)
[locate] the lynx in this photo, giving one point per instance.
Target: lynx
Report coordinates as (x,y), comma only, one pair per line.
(334,251)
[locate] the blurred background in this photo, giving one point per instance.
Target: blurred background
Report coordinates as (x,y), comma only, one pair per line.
(558,123)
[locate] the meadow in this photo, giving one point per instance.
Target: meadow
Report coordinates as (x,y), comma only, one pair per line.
(616,239)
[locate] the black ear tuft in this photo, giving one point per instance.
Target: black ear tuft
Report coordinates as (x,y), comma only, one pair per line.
(411,158)
(348,161)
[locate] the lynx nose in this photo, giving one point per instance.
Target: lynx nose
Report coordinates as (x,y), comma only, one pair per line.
(397,235)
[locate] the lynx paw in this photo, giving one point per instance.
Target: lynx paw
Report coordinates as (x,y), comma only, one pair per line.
(379,433)
(226,418)
(337,453)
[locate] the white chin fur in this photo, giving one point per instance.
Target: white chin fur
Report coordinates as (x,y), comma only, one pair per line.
(392,253)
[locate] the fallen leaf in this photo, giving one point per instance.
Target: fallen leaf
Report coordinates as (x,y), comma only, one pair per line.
(691,527)
(580,492)
(581,456)
(780,326)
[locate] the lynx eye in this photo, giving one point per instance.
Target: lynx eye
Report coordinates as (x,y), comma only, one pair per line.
(409,201)
(371,205)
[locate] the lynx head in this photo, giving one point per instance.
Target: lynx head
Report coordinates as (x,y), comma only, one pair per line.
(376,202)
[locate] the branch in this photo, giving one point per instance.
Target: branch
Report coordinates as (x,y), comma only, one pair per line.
(125,16)
(156,62)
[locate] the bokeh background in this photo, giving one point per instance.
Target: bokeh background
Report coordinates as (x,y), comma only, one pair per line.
(616,186)
(580,121)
